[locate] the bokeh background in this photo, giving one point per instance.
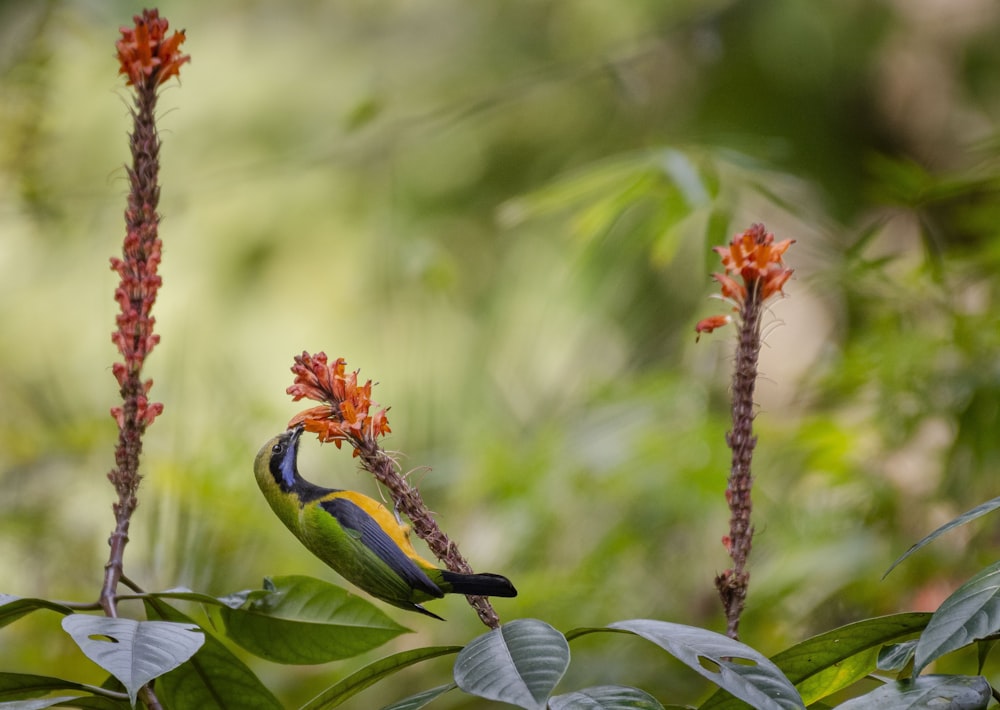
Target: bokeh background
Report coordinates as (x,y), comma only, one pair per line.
(502,212)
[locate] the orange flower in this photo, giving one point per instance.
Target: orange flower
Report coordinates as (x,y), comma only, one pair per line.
(756,258)
(345,414)
(707,325)
(753,266)
(146,54)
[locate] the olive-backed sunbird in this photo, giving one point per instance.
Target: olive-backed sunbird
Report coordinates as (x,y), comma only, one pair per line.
(357,536)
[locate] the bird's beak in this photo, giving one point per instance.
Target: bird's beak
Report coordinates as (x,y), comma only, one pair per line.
(297,432)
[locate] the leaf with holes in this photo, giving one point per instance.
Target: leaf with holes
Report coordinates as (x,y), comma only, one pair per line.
(134,652)
(835,659)
(733,666)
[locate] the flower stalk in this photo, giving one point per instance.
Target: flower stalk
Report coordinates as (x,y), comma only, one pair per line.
(754,272)
(148,58)
(345,416)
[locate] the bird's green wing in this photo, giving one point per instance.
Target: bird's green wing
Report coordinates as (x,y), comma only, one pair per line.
(353,518)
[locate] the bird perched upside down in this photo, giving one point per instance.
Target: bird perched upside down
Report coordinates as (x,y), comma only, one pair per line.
(357,536)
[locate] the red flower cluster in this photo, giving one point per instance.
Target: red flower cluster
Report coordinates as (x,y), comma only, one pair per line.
(344,416)
(755,258)
(144,52)
(134,336)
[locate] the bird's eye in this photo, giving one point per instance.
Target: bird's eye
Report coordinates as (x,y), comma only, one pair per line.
(276,449)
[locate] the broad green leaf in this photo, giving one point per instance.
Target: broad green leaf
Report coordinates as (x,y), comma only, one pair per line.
(519,663)
(733,666)
(81,702)
(814,665)
(971,612)
(606,697)
(13,608)
(100,702)
(21,686)
(36,704)
(214,678)
(967,516)
(415,702)
(838,676)
(302,620)
(15,686)
(374,672)
(134,652)
(929,691)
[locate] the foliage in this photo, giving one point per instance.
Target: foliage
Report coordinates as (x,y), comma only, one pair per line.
(540,354)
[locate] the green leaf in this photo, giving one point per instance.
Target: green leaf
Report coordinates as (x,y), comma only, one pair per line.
(25,685)
(20,686)
(971,612)
(213,678)
(929,691)
(13,608)
(372,673)
(584,187)
(962,519)
(983,649)
(303,620)
(753,678)
(415,702)
(606,697)
(36,704)
(135,652)
(519,663)
(81,702)
(895,657)
(100,702)
(685,176)
(814,665)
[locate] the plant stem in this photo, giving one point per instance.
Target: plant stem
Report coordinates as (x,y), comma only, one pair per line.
(409,501)
(733,583)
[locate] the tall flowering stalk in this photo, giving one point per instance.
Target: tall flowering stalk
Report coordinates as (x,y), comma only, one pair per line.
(147,58)
(754,272)
(346,416)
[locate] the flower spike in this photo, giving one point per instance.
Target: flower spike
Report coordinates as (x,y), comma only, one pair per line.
(753,272)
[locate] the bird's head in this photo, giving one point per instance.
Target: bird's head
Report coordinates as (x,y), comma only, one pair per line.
(278,457)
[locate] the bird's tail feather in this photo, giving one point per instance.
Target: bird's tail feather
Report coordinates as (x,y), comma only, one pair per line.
(484,585)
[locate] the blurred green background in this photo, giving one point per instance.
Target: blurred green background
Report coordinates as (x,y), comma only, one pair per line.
(502,212)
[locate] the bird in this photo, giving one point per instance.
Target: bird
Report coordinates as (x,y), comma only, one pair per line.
(357,536)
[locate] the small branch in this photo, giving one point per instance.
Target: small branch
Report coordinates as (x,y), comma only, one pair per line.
(149,697)
(132,585)
(104,692)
